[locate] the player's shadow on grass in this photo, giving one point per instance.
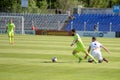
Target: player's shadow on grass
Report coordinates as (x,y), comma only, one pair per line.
(55,62)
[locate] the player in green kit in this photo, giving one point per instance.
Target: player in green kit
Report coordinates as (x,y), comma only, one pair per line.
(80,46)
(10,30)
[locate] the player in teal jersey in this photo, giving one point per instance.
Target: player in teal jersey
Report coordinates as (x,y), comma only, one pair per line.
(80,46)
(10,30)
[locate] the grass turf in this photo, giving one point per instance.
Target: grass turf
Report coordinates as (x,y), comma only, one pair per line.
(30,59)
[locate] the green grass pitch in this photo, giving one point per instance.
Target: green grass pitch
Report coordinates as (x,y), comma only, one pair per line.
(30,59)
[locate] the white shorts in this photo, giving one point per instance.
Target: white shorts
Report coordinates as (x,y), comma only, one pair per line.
(97,54)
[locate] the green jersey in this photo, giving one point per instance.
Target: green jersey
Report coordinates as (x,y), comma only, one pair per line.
(10,27)
(79,42)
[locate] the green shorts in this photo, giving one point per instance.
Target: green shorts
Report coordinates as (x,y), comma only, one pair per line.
(10,33)
(80,48)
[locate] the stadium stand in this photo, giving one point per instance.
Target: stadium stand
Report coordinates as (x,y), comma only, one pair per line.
(56,21)
(103,21)
(41,21)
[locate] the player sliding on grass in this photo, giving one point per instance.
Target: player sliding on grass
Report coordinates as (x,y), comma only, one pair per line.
(95,51)
(80,46)
(10,30)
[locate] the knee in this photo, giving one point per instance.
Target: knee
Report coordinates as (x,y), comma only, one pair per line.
(74,52)
(11,36)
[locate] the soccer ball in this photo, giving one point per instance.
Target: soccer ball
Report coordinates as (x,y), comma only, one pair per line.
(54,59)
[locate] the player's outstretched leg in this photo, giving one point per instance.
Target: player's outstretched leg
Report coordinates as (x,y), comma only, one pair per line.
(90,56)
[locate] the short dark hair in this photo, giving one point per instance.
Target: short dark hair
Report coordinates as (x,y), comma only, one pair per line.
(94,38)
(73,30)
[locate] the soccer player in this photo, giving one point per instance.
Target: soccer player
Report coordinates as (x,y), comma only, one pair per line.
(10,29)
(95,50)
(80,46)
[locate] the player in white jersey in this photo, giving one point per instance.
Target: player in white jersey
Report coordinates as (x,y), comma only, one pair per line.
(95,47)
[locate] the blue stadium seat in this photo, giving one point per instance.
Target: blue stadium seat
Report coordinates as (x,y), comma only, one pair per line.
(91,19)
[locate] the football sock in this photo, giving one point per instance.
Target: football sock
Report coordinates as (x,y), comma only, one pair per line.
(10,39)
(76,55)
(80,59)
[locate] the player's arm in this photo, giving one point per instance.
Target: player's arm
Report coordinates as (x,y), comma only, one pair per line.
(14,28)
(105,49)
(76,40)
(89,49)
